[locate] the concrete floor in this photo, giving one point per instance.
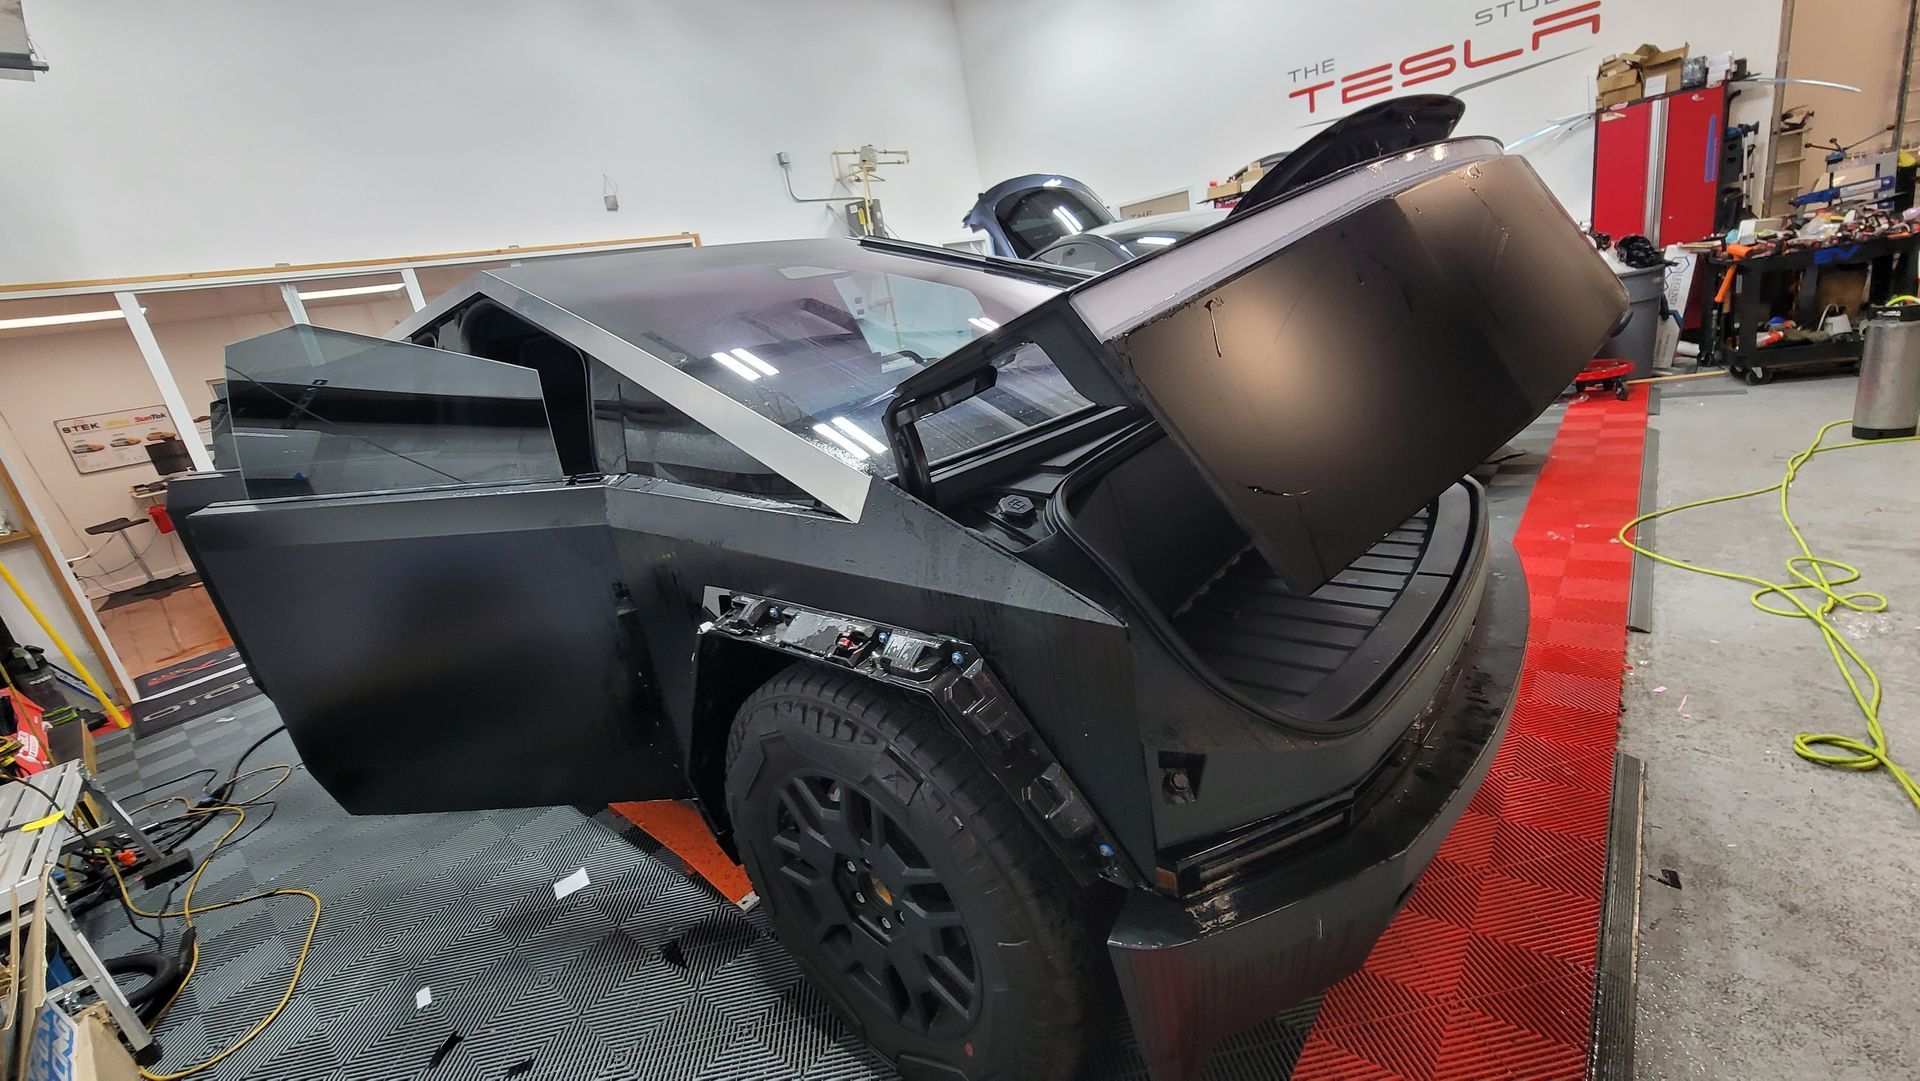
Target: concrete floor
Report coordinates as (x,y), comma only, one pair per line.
(1792,948)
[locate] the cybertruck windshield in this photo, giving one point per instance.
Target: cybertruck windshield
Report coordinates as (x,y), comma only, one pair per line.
(811,335)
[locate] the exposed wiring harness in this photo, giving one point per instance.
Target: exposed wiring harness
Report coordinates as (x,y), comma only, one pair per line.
(1824,577)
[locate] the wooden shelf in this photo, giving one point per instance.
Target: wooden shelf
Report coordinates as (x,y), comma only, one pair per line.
(16,535)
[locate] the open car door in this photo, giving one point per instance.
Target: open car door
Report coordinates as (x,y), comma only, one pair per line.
(1333,359)
(409,576)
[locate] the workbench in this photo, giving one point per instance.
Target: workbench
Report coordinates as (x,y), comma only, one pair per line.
(1890,265)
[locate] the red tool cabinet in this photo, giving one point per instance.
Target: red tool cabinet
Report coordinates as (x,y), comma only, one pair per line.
(1656,165)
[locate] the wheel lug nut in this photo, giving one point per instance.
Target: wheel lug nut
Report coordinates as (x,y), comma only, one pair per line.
(886,924)
(851,867)
(860,897)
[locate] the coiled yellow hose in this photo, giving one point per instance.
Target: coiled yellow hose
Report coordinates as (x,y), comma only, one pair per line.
(1824,577)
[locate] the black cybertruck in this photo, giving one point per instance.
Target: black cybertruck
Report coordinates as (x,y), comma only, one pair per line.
(1021,631)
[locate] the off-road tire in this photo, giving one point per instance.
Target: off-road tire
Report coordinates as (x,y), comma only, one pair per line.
(1027,925)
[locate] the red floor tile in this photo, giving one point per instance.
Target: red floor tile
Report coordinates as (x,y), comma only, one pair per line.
(1489,971)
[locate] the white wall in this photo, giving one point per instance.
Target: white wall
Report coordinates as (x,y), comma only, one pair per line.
(24,563)
(204,134)
(1139,97)
(49,377)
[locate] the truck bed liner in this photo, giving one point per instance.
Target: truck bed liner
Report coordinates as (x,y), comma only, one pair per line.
(1276,646)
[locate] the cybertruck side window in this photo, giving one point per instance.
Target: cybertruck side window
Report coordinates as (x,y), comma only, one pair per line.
(601,421)
(313,411)
(636,432)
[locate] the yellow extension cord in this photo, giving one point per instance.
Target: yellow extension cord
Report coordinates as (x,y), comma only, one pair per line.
(188,910)
(1811,573)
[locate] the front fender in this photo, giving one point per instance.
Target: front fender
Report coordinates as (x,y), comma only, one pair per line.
(747,638)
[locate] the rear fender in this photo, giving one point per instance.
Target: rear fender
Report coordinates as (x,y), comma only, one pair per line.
(746,638)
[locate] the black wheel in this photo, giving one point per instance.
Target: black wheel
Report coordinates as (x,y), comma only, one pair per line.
(1620,390)
(908,887)
(1758,375)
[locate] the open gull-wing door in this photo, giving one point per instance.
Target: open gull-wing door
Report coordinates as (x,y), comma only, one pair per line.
(1334,359)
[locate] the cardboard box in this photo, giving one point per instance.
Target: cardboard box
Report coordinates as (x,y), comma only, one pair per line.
(1618,81)
(84,1048)
(1841,287)
(1643,72)
(1608,99)
(1223,191)
(1237,183)
(1666,65)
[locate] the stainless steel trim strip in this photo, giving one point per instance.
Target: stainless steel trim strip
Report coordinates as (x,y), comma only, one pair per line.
(840,486)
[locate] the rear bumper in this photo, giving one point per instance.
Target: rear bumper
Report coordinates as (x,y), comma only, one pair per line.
(1197,970)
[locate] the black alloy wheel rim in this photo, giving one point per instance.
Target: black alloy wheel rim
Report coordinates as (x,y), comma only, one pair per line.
(874,905)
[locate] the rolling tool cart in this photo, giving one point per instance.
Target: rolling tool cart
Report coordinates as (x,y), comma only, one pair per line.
(1760,277)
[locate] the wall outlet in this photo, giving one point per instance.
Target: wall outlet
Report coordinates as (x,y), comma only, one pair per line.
(783,158)
(612,201)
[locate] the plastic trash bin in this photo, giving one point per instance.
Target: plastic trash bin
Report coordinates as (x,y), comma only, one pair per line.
(1645,287)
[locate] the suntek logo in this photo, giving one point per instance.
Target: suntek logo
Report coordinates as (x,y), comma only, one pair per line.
(1443,61)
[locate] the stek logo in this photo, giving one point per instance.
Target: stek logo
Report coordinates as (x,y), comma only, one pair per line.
(1522,34)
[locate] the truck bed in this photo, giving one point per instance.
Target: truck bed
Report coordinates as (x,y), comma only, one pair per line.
(1276,646)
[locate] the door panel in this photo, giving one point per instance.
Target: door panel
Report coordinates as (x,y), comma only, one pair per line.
(1621,143)
(445,650)
(1690,180)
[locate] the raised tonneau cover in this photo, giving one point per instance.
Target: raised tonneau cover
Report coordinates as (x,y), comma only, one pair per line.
(1335,359)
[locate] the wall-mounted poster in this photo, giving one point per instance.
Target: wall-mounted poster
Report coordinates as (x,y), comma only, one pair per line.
(111,440)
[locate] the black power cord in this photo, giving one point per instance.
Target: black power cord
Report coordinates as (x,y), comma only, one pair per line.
(168,970)
(210,771)
(172,833)
(233,775)
(163,968)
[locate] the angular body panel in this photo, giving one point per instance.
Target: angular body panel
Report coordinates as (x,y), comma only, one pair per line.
(1186,546)
(1333,360)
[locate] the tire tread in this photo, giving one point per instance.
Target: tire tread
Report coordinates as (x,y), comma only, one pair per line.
(992,839)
